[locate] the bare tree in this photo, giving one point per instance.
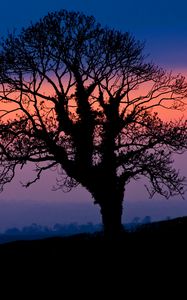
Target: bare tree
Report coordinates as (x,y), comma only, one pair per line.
(84,99)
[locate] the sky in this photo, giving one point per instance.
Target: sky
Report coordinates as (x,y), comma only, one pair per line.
(163,27)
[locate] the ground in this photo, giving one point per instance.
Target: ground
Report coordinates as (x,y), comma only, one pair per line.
(149,261)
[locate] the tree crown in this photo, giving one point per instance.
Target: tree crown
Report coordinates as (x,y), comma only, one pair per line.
(76,95)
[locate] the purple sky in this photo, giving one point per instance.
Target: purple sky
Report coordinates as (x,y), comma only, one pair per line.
(163,25)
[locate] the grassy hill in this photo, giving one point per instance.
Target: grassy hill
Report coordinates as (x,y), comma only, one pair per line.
(153,235)
(149,255)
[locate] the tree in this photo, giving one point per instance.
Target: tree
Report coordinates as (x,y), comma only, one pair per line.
(84,99)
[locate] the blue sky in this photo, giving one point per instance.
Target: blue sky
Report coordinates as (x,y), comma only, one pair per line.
(163,26)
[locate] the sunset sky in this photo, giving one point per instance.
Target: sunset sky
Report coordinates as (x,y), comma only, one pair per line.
(163,27)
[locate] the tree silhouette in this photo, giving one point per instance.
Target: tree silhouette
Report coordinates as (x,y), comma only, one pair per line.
(82,98)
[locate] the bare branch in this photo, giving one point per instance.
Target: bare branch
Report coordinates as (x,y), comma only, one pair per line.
(85,98)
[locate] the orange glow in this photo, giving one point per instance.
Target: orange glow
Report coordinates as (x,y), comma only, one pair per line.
(10,109)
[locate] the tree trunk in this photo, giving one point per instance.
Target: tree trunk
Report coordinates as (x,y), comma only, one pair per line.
(112,220)
(111,211)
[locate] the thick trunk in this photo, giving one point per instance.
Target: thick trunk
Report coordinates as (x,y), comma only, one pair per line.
(108,192)
(111,212)
(110,201)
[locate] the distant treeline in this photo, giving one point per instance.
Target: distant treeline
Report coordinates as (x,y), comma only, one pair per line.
(35,231)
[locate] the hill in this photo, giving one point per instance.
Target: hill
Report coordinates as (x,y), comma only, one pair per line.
(148,255)
(158,235)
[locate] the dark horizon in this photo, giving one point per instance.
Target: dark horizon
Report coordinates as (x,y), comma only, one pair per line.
(24,213)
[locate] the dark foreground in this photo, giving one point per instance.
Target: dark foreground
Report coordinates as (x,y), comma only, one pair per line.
(153,257)
(160,237)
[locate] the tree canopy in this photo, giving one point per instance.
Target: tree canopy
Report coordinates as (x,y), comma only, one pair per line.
(83,98)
